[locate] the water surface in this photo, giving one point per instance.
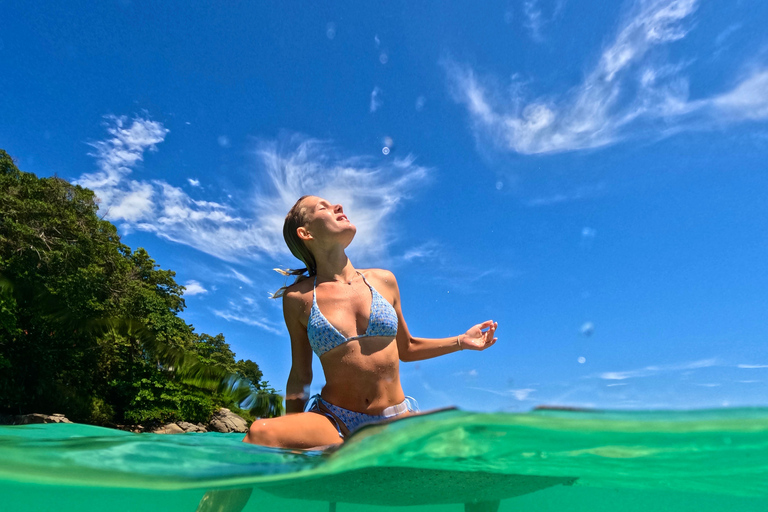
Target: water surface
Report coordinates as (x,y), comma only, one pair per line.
(696,460)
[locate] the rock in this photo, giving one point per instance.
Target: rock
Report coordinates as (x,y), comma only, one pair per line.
(191,427)
(226,421)
(170,428)
(28,419)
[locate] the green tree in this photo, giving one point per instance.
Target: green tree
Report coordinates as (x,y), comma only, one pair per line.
(92,329)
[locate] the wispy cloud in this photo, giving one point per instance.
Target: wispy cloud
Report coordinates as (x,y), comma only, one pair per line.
(535,19)
(752,366)
(428,250)
(728,32)
(626,93)
(193,182)
(518,394)
(193,287)
(375,101)
(116,156)
(578,194)
(654,370)
(254,322)
(240,277)
(296,165)
(368,189)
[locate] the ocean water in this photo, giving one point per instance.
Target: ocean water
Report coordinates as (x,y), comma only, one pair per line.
(709,460)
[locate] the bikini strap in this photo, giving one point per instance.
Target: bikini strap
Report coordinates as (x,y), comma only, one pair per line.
(314,296)
(364,279)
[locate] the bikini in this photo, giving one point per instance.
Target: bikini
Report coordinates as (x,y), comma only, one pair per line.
(323,337)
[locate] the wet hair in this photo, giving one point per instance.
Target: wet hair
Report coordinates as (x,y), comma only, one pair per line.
(295,219)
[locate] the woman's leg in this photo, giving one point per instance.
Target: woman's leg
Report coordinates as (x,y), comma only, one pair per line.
(301,430)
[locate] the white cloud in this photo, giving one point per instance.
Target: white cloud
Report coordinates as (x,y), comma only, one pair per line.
(194,183)
(193,288)
(580,193)
(368,190)
(728,32)
(534,19)
(518,394)
(428,250)
(234,317)
(116,156)
(747,100)
(240,277)
(654,370)
(752,366)
(293,167)
(626,93)
(375,101)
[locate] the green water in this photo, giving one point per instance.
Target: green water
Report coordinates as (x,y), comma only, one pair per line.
(542,461)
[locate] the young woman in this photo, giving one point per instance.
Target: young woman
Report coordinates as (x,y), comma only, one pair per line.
(353,321)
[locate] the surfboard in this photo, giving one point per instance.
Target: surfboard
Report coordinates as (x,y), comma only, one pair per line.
(480,491)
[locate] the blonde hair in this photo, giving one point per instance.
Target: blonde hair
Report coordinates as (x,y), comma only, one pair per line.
(295,219)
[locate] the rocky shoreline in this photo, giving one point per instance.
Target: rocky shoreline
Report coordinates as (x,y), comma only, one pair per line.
(223,420)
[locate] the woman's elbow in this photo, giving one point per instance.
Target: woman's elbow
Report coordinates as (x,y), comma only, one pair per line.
(300,378)
(405,355)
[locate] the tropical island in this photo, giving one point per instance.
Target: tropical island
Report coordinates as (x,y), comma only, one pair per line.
(92,329)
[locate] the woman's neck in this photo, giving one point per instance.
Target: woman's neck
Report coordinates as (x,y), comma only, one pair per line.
(335,266)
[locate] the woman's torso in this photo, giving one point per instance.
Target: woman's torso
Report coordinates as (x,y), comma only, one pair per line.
(361,374)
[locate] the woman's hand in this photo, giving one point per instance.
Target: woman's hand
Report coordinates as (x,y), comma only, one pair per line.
(479,337)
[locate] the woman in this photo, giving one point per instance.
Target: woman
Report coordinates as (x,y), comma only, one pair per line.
(326,313)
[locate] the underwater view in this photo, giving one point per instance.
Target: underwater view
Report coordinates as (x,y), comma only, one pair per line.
(449,460)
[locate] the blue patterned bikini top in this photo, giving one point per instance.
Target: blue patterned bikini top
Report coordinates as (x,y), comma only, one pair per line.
(323,336)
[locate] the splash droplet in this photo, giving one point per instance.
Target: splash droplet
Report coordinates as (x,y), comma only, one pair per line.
(587,329)
(383,58)
(499,185)
(385,150)
(582,360)
(330,31)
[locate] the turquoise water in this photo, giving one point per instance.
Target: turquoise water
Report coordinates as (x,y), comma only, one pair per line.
(698,460)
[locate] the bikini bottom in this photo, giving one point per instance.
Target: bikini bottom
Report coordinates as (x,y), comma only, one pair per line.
(347,421)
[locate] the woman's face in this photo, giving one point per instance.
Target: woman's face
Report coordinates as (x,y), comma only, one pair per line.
(327,221)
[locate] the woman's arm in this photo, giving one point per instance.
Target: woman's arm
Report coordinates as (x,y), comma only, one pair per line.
(300,376)
(478,337)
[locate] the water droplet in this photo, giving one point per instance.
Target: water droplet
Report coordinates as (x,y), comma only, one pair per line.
(330,30)
(383,58)
(499,185)
(582,360)
(223,141)
(587,329)
(420,102)
(385,150)
(388,141)
(377,40)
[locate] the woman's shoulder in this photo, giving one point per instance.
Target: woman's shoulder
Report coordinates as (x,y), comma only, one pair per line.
(297,290)
(379,274)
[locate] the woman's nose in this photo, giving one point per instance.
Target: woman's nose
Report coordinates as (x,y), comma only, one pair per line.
(338,208)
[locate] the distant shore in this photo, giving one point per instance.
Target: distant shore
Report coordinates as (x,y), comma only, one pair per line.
(223,421)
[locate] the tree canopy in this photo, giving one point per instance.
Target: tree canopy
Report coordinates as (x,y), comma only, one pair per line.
(91,329)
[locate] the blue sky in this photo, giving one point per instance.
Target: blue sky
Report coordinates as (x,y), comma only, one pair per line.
(591,175)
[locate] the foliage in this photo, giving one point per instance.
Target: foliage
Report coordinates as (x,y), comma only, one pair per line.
(91,329)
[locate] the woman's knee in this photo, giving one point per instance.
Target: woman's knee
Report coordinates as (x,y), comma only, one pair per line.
(262,432)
